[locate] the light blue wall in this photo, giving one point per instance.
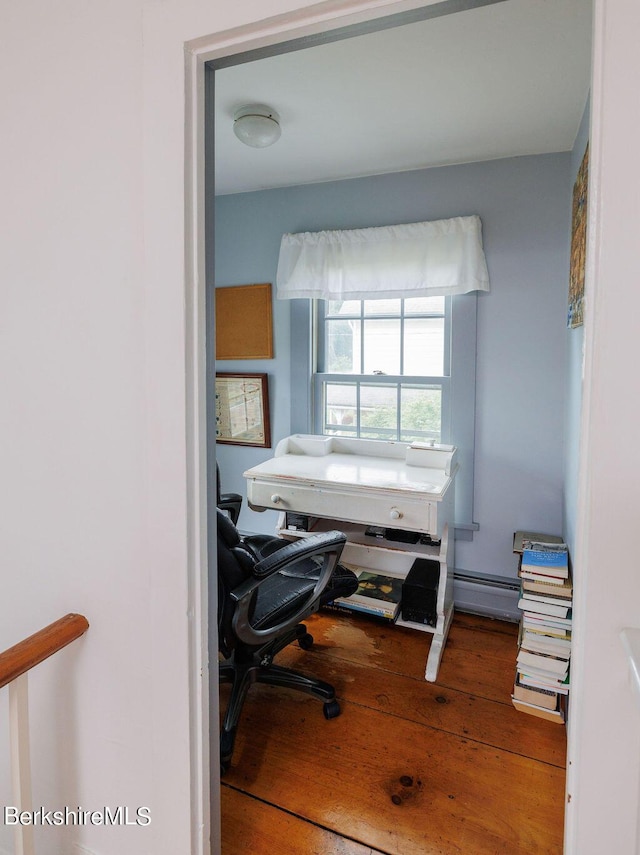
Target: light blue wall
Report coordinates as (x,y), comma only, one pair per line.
(575,347)
(524,207)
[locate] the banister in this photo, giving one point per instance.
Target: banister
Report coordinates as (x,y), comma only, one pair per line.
(24,655)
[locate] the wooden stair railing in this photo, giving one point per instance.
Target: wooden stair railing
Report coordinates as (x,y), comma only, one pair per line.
(15,664)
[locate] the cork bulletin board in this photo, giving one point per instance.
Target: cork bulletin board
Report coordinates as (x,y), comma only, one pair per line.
(244,327)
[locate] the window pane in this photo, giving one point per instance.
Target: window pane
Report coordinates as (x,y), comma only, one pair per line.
(344,307)
(381,307)
(421,413)
(424,305)
(340,407)
(378,412)
(381,347)
(424,346)
(342,346)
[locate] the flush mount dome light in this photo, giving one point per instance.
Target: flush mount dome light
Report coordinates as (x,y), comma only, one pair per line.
(257,125)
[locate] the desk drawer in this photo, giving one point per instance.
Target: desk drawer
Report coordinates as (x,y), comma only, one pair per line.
(411,514)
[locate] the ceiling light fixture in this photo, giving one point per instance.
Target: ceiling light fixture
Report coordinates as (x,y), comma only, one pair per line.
(257,125)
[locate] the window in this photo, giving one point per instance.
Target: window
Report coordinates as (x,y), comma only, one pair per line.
(383,368)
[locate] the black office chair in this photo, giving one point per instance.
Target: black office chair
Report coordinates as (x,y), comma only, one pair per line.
(261,603)
(229,502)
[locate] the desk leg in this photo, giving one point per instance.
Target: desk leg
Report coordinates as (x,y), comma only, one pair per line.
(437,647)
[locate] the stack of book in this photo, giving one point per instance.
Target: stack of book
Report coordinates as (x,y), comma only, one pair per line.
(544,645)
(378,595)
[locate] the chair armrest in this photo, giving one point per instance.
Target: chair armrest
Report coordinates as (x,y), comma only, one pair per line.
(317,544)
(329,545)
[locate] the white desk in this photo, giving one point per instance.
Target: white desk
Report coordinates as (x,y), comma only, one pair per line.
(351,484)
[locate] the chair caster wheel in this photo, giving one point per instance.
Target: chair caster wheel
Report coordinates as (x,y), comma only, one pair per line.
(306,641)
(331,709)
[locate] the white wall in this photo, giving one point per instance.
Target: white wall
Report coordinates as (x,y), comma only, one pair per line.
(93,453)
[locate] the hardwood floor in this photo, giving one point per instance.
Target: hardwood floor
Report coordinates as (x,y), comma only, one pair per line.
(409,767)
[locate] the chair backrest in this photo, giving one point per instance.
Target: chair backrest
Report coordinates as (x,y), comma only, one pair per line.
(218,486)
(235,564)
(231,503)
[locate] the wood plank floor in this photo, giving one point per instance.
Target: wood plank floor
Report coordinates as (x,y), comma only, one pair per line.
(409,767)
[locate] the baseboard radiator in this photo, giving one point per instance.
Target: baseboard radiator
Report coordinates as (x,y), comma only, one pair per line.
(490,596)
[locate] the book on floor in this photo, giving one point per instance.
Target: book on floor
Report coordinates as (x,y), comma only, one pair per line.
(541,577)
(556,715)
(556,667)
(541,681)
(520,537)
(546,623)
(563,589)
(545,559)
(538,643)
(544,607)
(546,698)
(533,627)
(542,642)
(553,594)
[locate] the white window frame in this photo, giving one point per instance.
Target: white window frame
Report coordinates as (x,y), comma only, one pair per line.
(320,379)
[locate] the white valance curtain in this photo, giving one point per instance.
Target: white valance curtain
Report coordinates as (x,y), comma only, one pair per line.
(427,259)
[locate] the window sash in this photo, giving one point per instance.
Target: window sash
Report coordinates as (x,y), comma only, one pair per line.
(321,379)
(321,316)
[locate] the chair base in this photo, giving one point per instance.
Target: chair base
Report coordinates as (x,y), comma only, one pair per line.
(259,668)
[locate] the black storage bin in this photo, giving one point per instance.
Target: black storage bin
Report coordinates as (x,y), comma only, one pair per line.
(420,592)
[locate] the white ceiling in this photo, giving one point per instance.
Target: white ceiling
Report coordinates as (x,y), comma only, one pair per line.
(497,81)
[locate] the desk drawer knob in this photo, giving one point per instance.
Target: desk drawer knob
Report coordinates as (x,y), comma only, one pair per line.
(395,514)
(276,499)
